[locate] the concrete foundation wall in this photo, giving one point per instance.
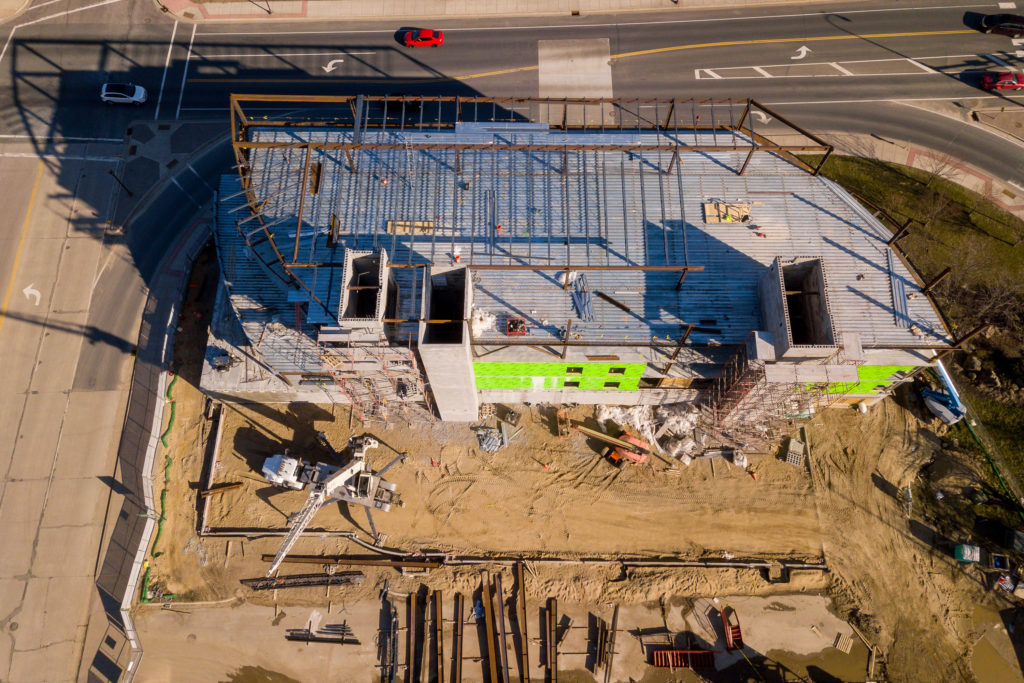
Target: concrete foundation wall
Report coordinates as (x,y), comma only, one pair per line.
(449,370)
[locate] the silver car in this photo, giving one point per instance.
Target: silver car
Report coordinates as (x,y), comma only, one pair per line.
(123,93)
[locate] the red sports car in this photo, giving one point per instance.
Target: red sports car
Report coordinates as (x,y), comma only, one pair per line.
(423,37)
(1004,80)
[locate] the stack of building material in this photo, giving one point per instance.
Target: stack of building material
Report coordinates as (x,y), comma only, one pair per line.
(795,453)
(489,438)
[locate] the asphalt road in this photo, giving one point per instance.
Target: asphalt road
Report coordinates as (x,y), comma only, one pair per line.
(829,67)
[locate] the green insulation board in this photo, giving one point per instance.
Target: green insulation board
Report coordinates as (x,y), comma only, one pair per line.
(539,376)
(874,379)
(540,383)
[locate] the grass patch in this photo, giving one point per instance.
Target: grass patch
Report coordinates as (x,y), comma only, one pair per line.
(957,227)
(984,245)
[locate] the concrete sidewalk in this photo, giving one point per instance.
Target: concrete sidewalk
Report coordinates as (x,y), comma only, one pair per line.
(412,10)
(10,8)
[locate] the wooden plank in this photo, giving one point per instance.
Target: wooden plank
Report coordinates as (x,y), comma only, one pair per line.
(457,638)
(439,635)
(410,227)
(220,489)
(485,598)
(552,640)
(502,642)
(524,641)
(424,631)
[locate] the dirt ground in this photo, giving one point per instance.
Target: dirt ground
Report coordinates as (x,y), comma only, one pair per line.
(893,573)
(542,497)
(912,601)
(539,495)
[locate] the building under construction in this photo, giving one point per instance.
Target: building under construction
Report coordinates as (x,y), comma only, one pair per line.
(421,256)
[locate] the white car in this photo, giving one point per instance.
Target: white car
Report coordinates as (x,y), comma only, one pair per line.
(122,93)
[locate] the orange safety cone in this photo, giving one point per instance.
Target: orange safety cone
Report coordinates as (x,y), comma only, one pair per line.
(754,475)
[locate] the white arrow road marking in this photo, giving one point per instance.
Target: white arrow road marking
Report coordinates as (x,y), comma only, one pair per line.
(30,292)
(761,116)
(332,65)
(801,52)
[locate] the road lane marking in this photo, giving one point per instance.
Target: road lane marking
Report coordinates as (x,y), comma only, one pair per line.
(21,243)
(841,69)
(60,157)
(762,72)
(184,72)
(623,55)
(10,35)
(163,79)
(30,292)
(1007,5)
(769,41)
(253,55)
(43,4)
(609,25)
(898,100)
(57,139)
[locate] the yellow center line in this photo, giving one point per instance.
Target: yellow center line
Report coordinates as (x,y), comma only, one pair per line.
(766,41)
(622,55)
(21,243)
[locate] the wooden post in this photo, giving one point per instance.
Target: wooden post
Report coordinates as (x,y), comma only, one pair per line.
(502,640)
(552,641)
(457,637)
(610,651)
(439,636)
(568,332)
(424,629)
(485,598)
(524,667)
(410,635)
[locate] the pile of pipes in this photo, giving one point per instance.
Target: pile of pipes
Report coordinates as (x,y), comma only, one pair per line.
(489,438)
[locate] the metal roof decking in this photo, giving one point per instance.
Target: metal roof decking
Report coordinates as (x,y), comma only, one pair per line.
(579,206)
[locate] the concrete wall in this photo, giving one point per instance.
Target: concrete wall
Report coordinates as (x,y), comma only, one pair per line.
(449,367)
(449,370)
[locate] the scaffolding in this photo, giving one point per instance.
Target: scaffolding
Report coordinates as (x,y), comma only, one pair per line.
(743,408)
